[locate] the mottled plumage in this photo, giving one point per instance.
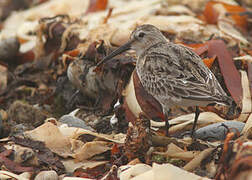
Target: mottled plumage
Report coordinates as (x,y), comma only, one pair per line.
(173,74)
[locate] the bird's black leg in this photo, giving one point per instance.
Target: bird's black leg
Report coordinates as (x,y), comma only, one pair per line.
(197,112)
(167,125)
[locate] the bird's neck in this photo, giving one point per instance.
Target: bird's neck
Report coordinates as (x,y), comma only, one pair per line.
(142,48)
(143,51)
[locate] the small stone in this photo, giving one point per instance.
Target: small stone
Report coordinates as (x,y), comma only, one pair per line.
(72,121)
(218,131)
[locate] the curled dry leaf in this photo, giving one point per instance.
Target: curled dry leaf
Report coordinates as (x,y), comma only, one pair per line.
(45,156)
(230,30)
(151,107)
(174,10)
(71,166)
(131,105)
(49,134)
(172,148)
(167,171)
(212,13)
(134,162)
(205,118)
(246,100)
(250,75)
(137,101)
(7,175)
(24,34)
(248,126)
(194,163)
(173,151)
(56,35)
(163,22)
(182,26)
(230,73)
(127,172)
(97,5)
(165,141)
(112,174)
(74,133)
(23,154)
(120,37)
(11,165)
(48,9)
(92,148)
(245,58)
(185,122)
(65,146)
(199,49)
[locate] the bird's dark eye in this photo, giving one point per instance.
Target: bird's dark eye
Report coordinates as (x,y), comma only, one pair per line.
(141,34)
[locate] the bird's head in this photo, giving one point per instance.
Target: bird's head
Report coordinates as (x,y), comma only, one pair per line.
(141,39)
(145,36)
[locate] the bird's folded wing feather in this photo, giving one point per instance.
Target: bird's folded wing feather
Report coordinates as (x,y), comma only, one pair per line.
(177,73)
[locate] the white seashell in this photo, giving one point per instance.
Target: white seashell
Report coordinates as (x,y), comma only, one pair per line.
(47,175)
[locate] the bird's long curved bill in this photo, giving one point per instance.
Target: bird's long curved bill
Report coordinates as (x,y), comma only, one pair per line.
(119,50)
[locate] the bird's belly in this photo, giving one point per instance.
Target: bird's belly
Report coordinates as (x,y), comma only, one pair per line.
(130,98)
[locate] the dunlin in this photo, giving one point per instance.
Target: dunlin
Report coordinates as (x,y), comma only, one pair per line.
(173,74)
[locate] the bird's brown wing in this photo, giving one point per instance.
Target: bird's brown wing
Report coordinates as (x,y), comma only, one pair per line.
(173,73)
